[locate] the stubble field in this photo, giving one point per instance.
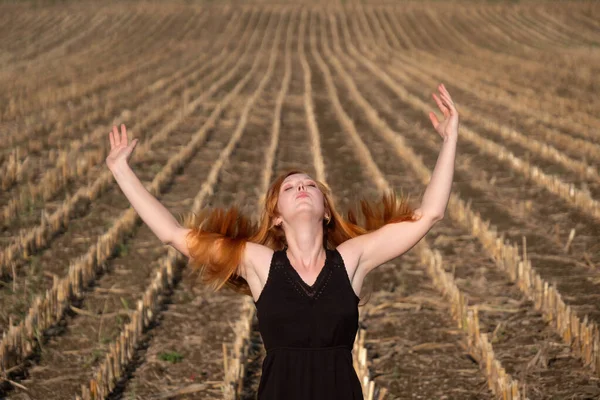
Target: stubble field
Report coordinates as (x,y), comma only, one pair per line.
(502,295)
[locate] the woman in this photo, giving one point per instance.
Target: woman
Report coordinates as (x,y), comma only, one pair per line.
(303,263)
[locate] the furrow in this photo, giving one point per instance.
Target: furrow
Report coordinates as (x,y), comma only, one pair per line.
(489,289)
(67,161)
(544,154)
(127,221)
(531,104)
(579,199)
(236,178)
(571,75)
(576,284)
(81,232)
(32,100)
(78,204)
(402,338)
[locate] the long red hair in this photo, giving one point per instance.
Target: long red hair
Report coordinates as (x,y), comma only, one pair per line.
(218,236)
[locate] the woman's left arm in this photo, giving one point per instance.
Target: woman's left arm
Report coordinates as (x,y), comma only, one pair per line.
(392,240)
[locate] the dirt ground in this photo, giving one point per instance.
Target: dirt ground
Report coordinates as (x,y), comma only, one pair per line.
(177,72)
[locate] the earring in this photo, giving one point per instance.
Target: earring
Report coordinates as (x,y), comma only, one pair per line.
(327,218)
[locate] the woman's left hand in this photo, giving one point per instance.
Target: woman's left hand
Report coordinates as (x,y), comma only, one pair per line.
(448,128)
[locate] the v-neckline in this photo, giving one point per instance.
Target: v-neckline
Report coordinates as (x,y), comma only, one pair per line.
(299,278)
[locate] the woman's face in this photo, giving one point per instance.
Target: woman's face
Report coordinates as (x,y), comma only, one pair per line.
(300,197)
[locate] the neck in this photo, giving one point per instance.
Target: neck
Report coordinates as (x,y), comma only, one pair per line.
(305,246)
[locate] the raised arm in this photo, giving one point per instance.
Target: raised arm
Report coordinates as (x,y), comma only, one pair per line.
(390,241)
(152,212)
(370,250)
(161,221)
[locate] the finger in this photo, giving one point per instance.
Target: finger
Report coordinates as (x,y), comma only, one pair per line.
(446,90)
(133,143)
(116,136)
(123,135)
(450,101)
(441,105)
(447,96)
(441,88)
(447,102)
(434,120)
(451,107)
(112,140)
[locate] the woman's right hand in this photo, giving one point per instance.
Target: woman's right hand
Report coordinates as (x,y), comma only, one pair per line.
(120,149)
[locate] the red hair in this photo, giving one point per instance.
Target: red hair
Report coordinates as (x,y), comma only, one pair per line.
(218,236)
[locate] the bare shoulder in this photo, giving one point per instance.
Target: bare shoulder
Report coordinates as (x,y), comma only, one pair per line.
(255,267)
(255,261)
(350,251)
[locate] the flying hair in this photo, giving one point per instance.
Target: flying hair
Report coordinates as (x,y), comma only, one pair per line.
(218,236)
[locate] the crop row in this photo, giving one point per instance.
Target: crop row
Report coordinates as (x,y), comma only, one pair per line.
(533,88)
(232,366)
(37,98)
(39,236)
(84,111)
(17,342)
(501,383)
(373,34)
(567,191)
(582,335)
(69,162)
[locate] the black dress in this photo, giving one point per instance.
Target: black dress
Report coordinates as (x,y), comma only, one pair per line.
(308,333)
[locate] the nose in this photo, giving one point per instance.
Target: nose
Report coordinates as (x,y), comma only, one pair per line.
(300,186)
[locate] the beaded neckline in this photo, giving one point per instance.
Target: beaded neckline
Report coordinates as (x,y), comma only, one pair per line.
(314,290)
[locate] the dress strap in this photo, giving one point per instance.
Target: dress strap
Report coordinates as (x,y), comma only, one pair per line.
(277,263)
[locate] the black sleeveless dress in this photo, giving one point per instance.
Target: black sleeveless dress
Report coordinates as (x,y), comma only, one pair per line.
(308,333)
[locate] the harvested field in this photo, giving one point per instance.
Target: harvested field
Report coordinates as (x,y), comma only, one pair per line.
(501,299)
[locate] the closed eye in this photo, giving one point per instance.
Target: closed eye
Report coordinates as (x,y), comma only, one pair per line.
(310,184)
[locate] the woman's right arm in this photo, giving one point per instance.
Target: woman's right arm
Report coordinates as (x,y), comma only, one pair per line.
(150,210)
(156,216)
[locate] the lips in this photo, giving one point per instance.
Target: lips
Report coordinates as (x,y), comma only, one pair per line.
(301,195)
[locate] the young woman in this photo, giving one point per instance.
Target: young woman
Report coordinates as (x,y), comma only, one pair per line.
(303,263)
